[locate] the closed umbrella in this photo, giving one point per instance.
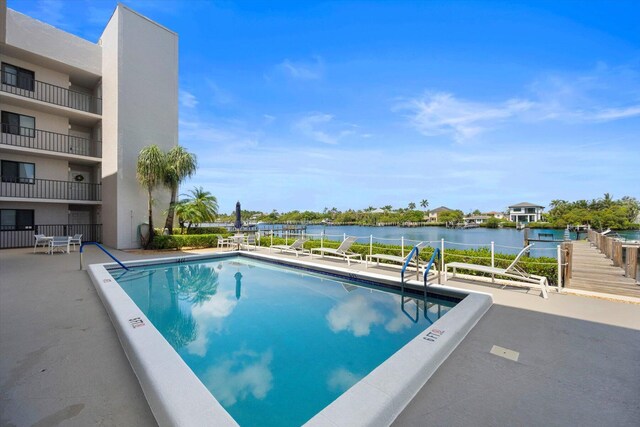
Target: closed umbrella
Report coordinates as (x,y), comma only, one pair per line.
(238,223)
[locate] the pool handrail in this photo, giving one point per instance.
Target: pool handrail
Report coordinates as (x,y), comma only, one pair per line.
(415,251)
(436,254)
(103,250)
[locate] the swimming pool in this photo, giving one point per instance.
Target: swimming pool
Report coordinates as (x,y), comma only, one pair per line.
(273,344)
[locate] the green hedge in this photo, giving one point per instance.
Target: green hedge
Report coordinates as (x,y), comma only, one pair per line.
(179,241)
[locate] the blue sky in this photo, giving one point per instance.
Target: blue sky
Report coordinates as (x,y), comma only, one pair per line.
(306,105)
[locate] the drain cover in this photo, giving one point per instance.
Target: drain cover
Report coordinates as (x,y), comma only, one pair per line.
(505,352)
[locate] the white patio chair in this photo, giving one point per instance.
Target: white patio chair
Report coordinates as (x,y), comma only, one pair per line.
(76,240)
(41,240)
(60,243)
(224,241)
(250,241)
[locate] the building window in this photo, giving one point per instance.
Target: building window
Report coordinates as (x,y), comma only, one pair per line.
(23,173)
(18,77)
(18,124)
(16,219)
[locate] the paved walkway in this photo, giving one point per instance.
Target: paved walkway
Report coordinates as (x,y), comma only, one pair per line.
(62,364)
(592,271)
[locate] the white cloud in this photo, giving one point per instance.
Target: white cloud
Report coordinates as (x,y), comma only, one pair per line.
(442,113)
(242,374)
(209,316)
(321,127)
(355,314)
(590,98)
(187,99)
(301,70)
(341,379)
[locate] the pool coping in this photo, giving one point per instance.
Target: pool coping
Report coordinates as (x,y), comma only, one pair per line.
(176,395)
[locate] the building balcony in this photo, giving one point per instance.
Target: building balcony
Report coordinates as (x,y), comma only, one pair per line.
(49,141)
(51,94)
(49,189)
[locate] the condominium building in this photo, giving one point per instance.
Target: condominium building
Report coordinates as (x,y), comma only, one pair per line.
(75,115)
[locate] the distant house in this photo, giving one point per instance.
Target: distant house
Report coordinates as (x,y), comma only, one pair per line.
(476,219)
(525,212)
(433,213)
(377,211)
(494,214)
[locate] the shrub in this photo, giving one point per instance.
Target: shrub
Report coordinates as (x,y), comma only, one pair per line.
(179,241)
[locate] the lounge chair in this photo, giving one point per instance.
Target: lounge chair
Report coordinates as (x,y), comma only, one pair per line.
(342,250)
(76,240)
(41,240)
(224,241)
(296,247)
(393,258)
(512,271)
(60,243)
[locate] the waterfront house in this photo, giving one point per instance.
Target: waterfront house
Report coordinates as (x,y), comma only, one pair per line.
(433,213)
(476,219)
(525,212)
(75,115)
(494,214)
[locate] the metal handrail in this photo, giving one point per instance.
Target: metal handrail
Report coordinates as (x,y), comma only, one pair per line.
(39,139)
(436,255)
(52,94)
(103,250)
(414,252)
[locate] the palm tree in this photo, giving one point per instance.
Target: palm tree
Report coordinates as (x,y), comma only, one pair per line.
(150,171)
(424,203)
(200,206)
(180,165)
(387,208)
(412,206)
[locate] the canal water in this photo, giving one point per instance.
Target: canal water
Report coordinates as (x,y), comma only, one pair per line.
(506,240)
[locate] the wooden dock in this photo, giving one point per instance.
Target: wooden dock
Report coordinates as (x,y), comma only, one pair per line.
(592,271)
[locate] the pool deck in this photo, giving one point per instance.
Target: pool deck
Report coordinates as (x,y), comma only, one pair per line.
(577,357)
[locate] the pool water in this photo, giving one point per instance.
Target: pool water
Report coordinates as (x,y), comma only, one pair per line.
(273,344)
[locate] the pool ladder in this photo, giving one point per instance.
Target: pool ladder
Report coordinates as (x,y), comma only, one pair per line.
(103,250)
(435,258)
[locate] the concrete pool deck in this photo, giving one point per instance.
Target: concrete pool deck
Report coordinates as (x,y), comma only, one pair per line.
(577,358)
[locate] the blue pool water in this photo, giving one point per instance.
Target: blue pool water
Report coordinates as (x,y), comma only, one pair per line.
(273,344)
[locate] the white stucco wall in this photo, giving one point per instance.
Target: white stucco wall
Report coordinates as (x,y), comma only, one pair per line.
(140,107)
(49,42)
(44,121)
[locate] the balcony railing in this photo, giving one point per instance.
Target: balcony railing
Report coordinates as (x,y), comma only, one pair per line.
(52,94)
(24,238)
(33,188)
(50,141)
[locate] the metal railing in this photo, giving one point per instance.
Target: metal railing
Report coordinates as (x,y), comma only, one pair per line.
(50,141)
(103,250)
(24,238)
(52,94)
(34,188)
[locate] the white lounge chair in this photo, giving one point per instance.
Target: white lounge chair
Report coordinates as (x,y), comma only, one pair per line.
(512,271)
(342,250)
(60,243)
(393,258)
(41,240)
(296,247)
(76,240)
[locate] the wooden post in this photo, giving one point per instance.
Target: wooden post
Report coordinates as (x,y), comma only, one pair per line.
(632,262)
(526,237)
(567,250)
(617,254)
